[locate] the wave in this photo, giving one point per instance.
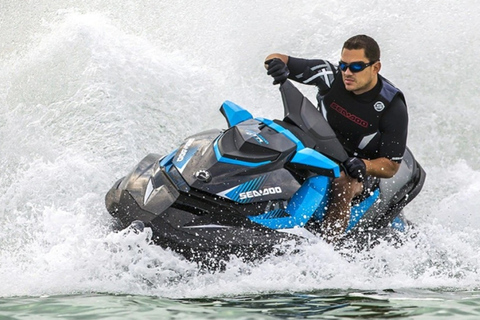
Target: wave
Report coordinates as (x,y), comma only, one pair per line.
(86,92)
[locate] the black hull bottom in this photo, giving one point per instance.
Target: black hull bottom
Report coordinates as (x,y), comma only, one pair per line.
(209,243)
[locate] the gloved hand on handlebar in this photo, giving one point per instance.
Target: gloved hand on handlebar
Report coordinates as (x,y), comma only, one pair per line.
(278,70)
(355,168)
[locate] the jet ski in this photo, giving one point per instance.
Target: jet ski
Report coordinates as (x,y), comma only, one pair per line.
(248,189)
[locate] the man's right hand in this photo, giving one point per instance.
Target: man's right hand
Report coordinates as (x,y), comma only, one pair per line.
(278,70)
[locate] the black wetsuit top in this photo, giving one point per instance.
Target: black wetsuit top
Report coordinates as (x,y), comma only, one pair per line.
(370,125)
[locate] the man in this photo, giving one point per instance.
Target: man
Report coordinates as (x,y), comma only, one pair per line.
(367,113)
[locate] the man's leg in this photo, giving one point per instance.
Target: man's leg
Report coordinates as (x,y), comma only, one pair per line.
(335,223)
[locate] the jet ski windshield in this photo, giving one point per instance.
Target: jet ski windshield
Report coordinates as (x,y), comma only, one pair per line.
(253,141)
(245,144)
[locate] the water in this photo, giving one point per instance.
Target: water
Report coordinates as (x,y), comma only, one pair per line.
(87,89)
(328,304)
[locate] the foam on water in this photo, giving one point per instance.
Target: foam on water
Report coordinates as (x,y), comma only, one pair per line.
(87,90)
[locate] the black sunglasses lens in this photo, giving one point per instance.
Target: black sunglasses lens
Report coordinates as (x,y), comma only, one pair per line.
(357,67)
(354,66)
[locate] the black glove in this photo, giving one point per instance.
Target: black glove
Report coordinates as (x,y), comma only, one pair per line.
(278,70)
(355,168)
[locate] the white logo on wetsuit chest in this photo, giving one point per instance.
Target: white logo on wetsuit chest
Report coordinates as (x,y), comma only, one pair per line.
(379,106)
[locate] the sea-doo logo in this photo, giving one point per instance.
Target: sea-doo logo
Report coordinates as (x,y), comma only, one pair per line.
(183,152)
(349,115)
(379,106)
(203,175)
(259,193)
(258,137)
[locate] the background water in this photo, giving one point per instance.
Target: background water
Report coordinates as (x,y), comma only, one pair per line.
(87,89)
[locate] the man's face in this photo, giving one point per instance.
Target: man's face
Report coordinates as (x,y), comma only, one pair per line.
(363,81)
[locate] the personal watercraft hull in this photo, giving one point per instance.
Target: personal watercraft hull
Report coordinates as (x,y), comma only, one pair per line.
(185,226)
(249,189)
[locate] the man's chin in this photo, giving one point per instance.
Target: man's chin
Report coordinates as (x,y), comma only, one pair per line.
(350,87)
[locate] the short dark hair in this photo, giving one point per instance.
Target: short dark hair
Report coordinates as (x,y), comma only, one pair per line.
(361,41)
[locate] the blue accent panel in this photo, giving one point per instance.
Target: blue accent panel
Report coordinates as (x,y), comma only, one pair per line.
(322,208)
(398,224)
(283,131)
(301,206)
(234,114)
(359,210)
(220,158)
(251,185)
(167,160)
(313,158)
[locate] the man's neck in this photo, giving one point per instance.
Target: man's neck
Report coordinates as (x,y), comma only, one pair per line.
(371,94)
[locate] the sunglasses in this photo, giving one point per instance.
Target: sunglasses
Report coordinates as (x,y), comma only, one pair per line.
(354,67)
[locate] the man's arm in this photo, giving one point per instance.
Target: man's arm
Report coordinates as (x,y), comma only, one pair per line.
(320,73)
(394,128)
(381,167)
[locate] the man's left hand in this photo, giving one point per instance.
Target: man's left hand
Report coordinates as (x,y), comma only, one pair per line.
(355,168)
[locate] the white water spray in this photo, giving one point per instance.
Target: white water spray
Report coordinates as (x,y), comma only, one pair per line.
(87,90)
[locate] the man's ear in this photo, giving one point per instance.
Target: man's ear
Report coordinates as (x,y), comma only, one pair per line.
(377,66)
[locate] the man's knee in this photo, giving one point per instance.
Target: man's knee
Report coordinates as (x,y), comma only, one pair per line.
(347,185)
